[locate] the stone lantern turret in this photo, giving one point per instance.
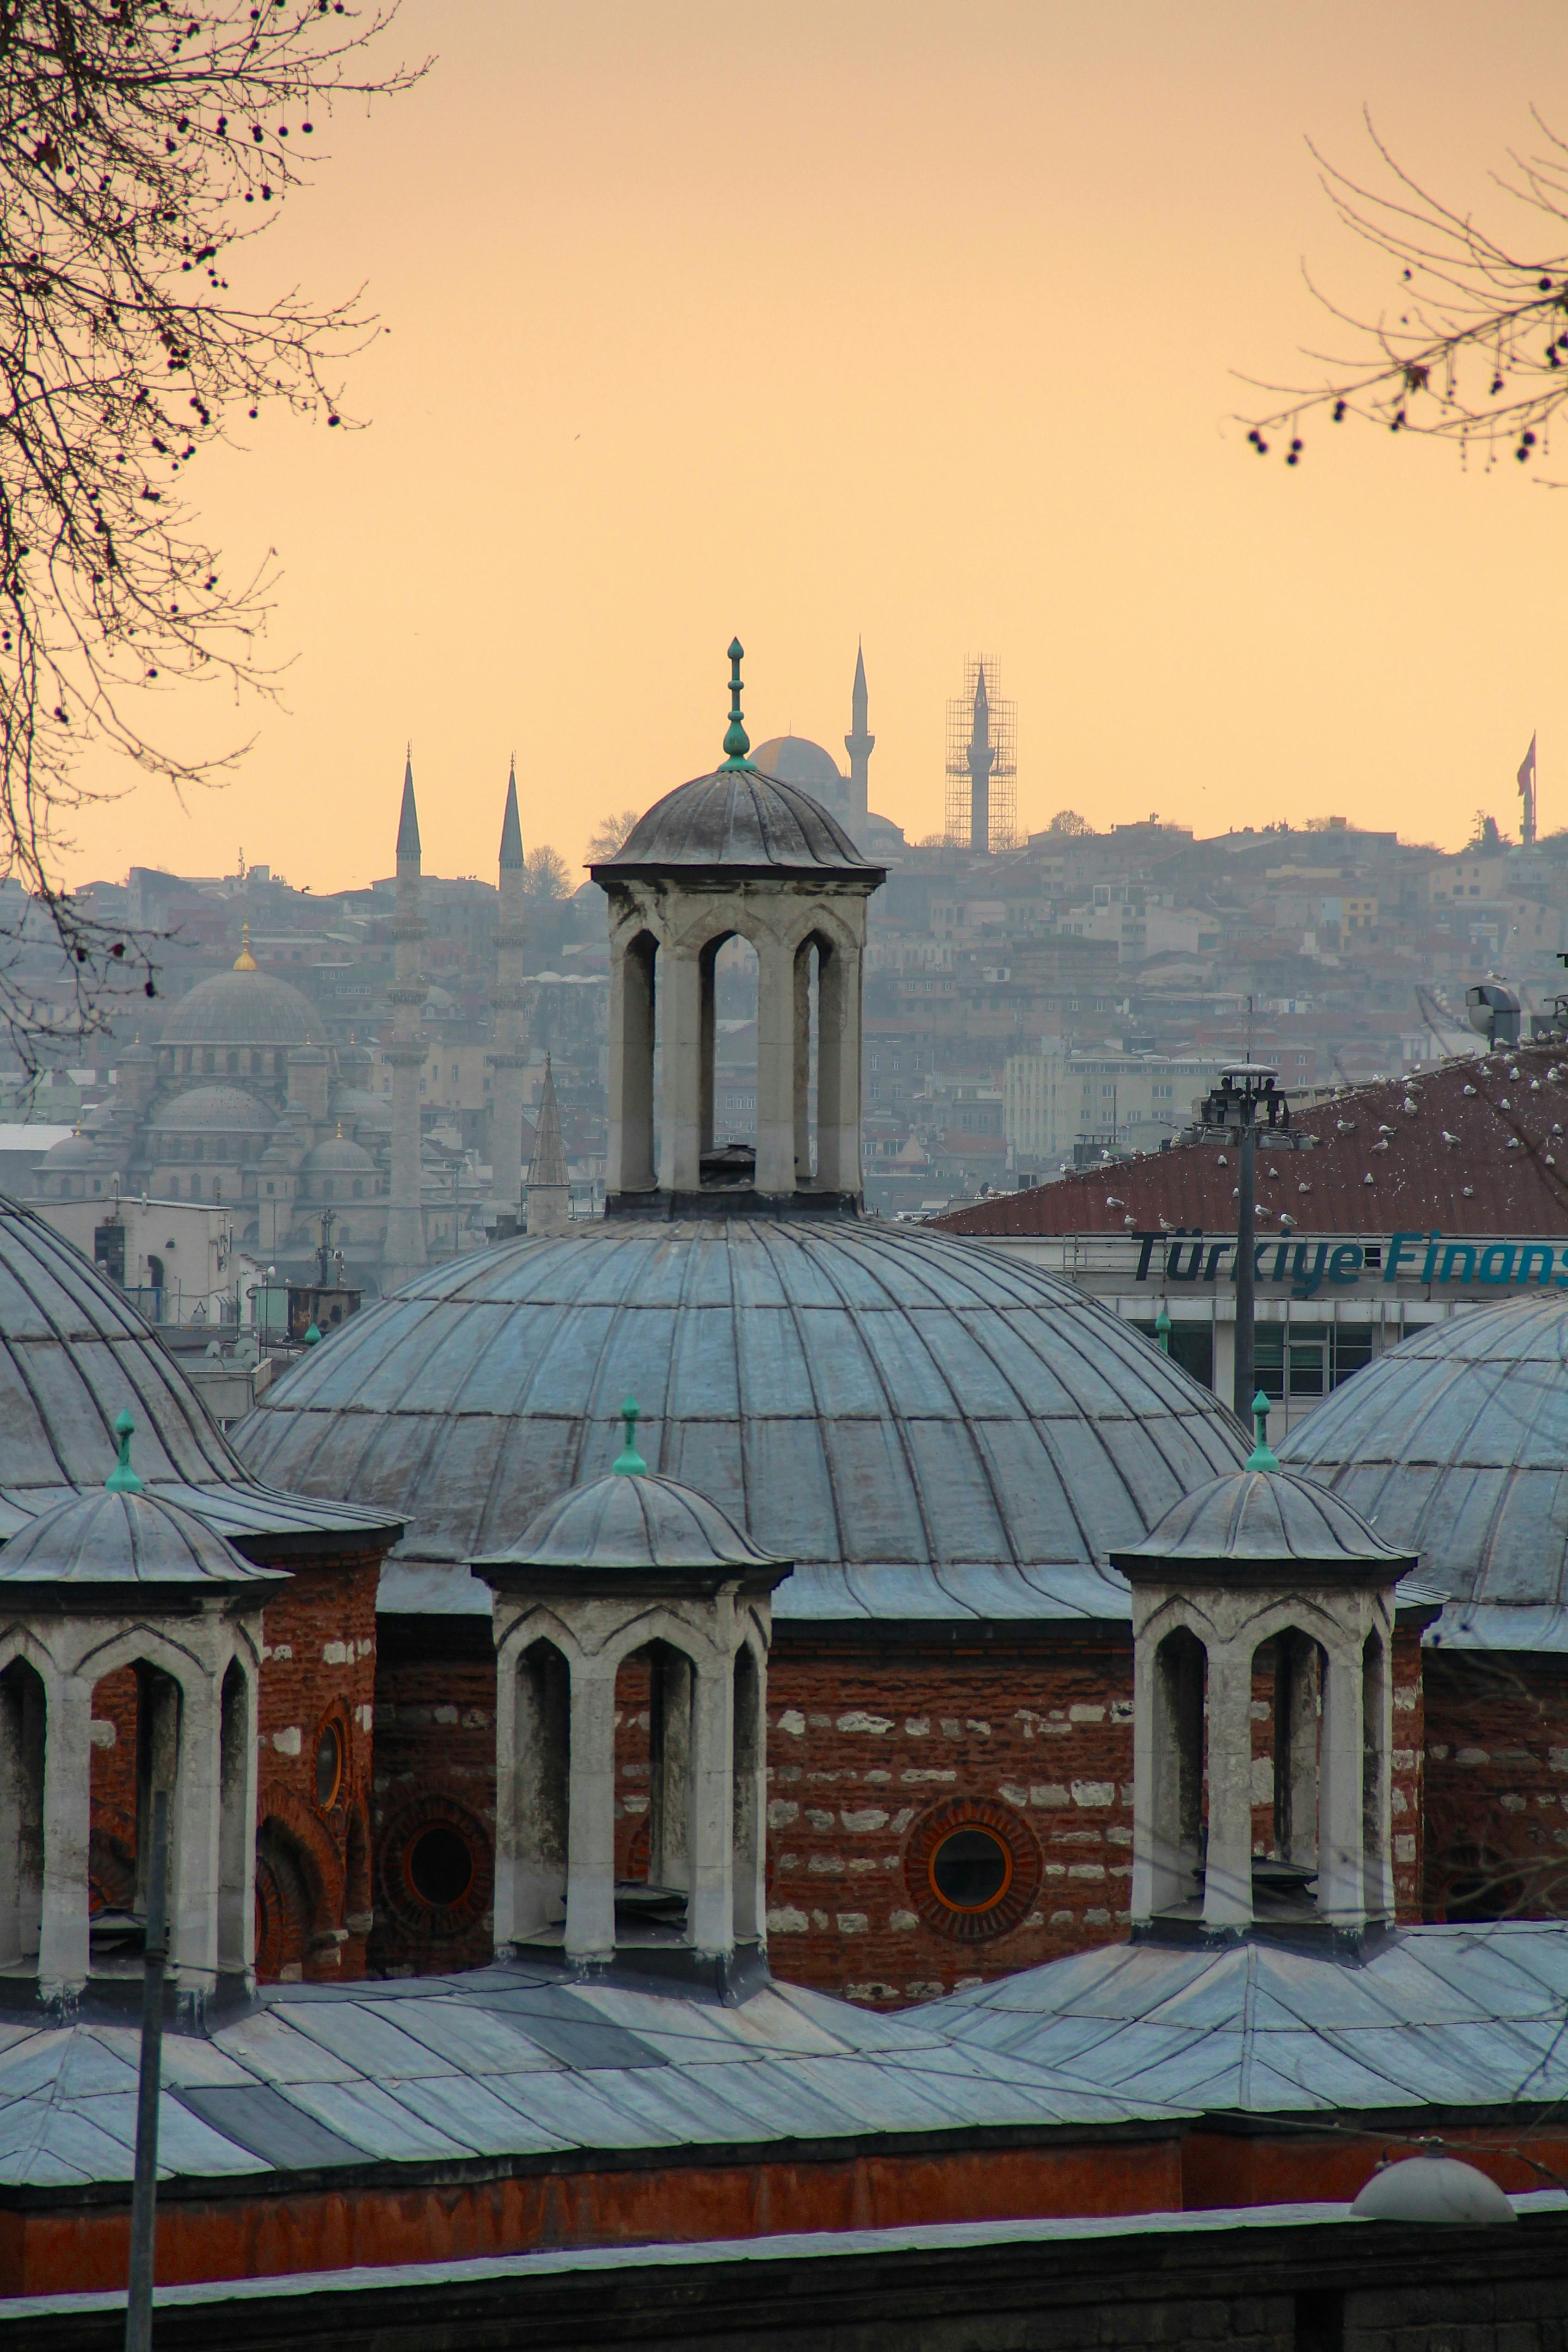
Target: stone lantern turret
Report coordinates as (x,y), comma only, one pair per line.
(736,853)
(1262,1580)
(630,1566)
(110,1579)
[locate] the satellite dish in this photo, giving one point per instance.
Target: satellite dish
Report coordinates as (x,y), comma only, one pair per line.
(1432,2188)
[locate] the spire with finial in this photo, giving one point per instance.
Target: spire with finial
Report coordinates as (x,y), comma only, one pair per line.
(408,816)
(244,960)
(1262,1457)
(122,1479)
(548,1180)
(629,1461)
(737,741)
(511,824)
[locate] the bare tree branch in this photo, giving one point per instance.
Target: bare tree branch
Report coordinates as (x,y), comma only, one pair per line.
(1478,349)
(140,147)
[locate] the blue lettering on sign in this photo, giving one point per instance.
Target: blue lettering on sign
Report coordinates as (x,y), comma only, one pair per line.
(1422,1257)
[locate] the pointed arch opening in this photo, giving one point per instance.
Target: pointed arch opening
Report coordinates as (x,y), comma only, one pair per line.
(639,1044)
(1178,1826)
(236,1810)
(543,1752)
(728,988)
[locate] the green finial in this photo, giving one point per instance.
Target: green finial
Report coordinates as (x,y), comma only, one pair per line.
(313,1337)
(1262,1457)
(629,1460)
(122,1479)
(1163,1328)
(737,741)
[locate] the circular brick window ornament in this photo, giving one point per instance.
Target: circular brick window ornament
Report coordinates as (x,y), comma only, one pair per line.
(436,1867)
(972,1869)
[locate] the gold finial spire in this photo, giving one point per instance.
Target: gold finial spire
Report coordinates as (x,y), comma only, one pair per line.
(244,960)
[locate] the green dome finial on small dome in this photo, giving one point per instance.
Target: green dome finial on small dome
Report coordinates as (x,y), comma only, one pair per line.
(1262,1457)
(737,741)
(629,1460)
(313,1337)
(1163,1328)
(122,1479)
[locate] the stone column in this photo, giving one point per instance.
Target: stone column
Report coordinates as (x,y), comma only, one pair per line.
(710,1908)
(680,1083)
(670,1766)
(1227,1882)
(193,1838)
(774,1068)
(839,1072)
(750,1798)
(63,1933)
(590,1847)
(236,1830)
(1377,1794)
(1341,1892)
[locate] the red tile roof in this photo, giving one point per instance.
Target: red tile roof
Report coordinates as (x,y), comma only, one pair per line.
(1473,1155)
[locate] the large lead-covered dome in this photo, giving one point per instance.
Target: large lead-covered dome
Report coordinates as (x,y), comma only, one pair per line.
(926,1429)
(1455,1444)
(243,1008)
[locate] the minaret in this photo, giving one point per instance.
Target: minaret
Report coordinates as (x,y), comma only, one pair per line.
(982,758)
(405,1251)
(860,745)
(549,1192)
(508,1036)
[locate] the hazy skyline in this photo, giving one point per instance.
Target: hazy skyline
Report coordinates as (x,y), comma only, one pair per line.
(815,323)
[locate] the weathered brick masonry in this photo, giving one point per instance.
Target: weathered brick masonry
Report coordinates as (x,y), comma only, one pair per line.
(435,1764)
(1497,1784)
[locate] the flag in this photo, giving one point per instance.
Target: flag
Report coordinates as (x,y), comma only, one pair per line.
(1527,772)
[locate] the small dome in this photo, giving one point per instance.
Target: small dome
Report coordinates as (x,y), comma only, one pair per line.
(795,760)
(1263,1518)
(102,1537)
(627,1522)
(135,1054)
(1432,2188)
(338,1155)
(739,818)
(243,1008)
(213,1110)
(73,1151)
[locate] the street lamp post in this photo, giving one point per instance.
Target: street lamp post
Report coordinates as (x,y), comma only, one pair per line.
(1246,1098)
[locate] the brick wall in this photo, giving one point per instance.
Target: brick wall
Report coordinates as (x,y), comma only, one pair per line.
(863,1746)
(317,1673)
(1497,1785)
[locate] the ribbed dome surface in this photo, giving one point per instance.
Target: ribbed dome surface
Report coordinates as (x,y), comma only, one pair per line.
(926,1428)
(624,1521)
(1455,1444)
(213,1110)
(99,1538)
(74,1353)
(1262,1517)
(243,1008)
(738,818)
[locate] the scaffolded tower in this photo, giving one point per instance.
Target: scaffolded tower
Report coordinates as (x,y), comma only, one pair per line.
(981,810)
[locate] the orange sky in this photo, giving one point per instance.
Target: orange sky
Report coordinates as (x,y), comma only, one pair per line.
(826,317)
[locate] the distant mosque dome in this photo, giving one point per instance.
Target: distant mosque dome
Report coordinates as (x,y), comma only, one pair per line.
(795,760)
(213,1110)
(337,1156)
(244,1008)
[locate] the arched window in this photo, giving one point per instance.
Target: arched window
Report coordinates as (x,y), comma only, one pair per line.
(22,1718)
(1177,1829)
(541,1795)
(639,1019)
